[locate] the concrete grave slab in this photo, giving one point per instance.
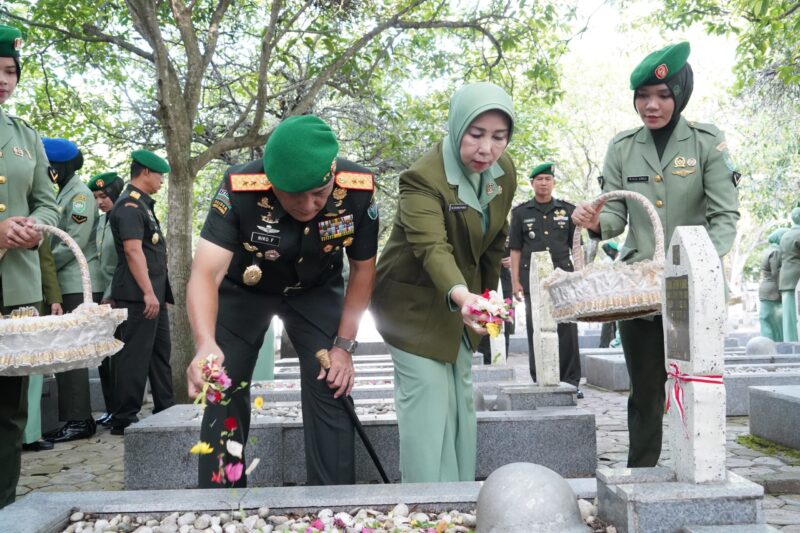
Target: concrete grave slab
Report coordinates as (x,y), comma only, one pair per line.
(775,414)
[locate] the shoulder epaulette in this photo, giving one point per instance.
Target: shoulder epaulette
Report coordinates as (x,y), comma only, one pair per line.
(566,202)
(707,128)
(135,195)
(625,134)
(361,181)
(250,182)
(520,205)
(23,121)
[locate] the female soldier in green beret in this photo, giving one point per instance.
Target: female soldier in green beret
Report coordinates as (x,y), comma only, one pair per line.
(447,241)
(26,198)
(684,169)
(106,188)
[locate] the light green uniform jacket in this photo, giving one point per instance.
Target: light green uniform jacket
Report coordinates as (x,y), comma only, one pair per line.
(25,190)
(692,185)
(437,242)
(79,220)
(790,259)
(104,240)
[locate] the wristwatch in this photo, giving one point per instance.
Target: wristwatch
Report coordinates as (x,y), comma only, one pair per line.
(348,345)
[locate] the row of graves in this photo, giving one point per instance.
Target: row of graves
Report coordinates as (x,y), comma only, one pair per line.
(537,452)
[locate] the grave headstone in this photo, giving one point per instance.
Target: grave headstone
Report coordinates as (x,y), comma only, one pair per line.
(545,334)
(497,344)
(761,346)
(694,321)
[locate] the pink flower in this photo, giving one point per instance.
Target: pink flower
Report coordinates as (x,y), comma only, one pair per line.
(223,380)
(214,396)
(318,525)
(233,472)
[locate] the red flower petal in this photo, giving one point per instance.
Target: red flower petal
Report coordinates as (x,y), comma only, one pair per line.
(230,423)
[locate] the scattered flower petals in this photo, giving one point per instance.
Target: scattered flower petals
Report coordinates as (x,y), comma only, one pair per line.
(233,472)
(230,423)
(252,466)
(258,403)
(201,448)
(216,477)
(234,448)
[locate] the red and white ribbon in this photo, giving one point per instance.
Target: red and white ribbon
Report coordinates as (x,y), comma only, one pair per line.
(675,391)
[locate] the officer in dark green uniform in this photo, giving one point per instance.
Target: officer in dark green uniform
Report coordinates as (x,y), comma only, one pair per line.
(684,169)
(273,244)
(538,225)
(26,198)
(141,285)
(106,188)
(79,221)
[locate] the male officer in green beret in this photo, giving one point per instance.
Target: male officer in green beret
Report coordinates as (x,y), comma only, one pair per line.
(543,224)
(684,169)
(106,188)
(26,198)
(273,244)
(141,285)
(79,221)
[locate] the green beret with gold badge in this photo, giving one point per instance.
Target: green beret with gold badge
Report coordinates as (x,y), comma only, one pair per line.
(148,159)
(10,41)
(548,167)
(300,154)
(99,181)
(660,65)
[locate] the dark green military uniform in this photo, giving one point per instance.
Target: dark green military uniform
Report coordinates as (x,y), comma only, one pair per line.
(26,191)
(691,183)
(539,227)
(147,343)
(291,269)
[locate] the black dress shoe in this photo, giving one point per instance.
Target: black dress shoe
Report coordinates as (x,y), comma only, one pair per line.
(103,420)
(37,446)
(118,430)
(579,394)
(73,430)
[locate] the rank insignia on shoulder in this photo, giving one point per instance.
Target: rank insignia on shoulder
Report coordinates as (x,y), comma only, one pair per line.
(79,219)
(135,195)
(736,177)
(361,181)
(250,182)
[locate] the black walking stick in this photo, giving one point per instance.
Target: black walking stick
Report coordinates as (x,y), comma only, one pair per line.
(325,361)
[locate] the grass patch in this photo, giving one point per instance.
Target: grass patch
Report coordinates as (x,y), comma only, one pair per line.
(767,447)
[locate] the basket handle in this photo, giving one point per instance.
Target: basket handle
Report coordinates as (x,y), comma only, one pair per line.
(86,281)
(577,252)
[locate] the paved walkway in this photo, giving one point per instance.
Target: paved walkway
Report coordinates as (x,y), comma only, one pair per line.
(96,463)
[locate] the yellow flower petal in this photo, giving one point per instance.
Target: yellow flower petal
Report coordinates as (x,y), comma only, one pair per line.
(258,403)
(201,448)
(493,329)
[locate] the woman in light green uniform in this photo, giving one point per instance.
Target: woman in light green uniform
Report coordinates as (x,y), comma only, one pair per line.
(26,198)
(106,188)
(684,169)
(445,248)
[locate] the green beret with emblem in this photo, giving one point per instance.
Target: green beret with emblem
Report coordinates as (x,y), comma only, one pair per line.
(148,159)
(660,65)
(300,154)
(548,167)
(10,41)
(99,181)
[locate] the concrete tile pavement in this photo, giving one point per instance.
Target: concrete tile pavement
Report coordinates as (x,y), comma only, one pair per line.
(97,463)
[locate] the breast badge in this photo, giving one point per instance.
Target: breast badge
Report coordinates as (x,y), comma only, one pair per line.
(155,238)
(251,275)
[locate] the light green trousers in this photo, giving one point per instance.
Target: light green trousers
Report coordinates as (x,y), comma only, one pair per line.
(435,417)
(789,316)
(33,428)
(770,316)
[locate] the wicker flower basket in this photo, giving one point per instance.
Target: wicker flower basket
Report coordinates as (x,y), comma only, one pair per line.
(604,292)
(31,344)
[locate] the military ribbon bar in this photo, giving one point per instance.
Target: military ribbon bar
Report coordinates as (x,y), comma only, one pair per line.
(675,391)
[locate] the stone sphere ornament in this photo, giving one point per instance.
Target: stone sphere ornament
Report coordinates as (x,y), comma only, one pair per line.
(761,346)
(528,497)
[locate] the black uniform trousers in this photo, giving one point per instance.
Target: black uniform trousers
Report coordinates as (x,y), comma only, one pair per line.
(607,333)
(13,418)
(74,402)
(508,329)
(145,355)
(328,431)
(569,358)
(643,346)
(107,383)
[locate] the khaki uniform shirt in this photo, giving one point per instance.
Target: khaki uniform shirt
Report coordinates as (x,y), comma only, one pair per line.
(693,184)
(26,191)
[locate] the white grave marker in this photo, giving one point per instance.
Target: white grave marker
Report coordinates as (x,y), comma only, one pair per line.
(694,338)
(497,345)
(545,334)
